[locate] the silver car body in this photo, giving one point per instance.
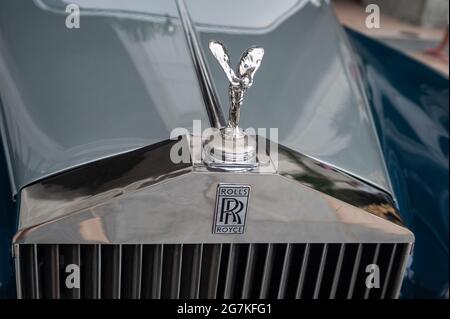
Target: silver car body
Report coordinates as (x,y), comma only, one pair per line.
(125,79)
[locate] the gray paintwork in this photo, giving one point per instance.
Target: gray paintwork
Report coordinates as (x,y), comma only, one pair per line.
(125,79)
(306,86)
(74,96)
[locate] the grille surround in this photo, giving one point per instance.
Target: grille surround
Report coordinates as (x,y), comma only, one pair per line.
(130,200)
(192,271)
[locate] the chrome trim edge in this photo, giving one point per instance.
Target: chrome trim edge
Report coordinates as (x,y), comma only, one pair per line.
(215,114)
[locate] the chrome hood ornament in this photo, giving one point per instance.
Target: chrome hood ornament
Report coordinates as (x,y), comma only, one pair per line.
(232,148)
(248,65)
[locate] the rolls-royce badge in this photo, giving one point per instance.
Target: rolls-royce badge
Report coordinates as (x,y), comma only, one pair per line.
(231,208)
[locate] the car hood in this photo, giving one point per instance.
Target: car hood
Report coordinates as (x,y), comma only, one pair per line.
(126,78)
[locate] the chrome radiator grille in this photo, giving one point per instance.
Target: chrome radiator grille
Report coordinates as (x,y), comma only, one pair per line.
(210,270)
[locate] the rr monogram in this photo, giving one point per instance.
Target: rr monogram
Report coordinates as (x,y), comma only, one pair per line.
(231,208)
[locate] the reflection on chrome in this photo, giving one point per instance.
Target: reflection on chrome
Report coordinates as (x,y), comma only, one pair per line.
(248,65)
(231,147)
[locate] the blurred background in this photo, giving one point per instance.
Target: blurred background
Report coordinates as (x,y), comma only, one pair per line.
(416,27)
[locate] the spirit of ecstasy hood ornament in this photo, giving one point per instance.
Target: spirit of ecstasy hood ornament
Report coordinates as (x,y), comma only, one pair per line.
(232,148)
(241,80)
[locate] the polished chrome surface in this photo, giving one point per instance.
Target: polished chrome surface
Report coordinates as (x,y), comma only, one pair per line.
(249,268)
(374,262)
(401,268)
(323,261)
(248,65)
(231,148)
(280,211)
(18,271)
(302,274)
(355,272)
(303,201)
(268,266)
(189,271)
(286,268)
(305,213)
(337,272)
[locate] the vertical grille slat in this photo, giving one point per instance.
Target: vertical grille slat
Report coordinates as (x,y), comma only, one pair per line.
(337,271)
(374,262)
(119,279)
(48,259)
(193,271)
(368,255)
(19,274)
(268,265)
(131,271)
(69,255)
(29,272)
(224,254)
(389,271)
(209,278)
(285,271)
(171,272)
(320,272)
(231,272)
(99,271)
(152,271)
(399,270)
(111,271)
(197,271)
(314,265)
(355,271)
(36,271)
(346,271)
(384,256)
(303,269)
(90,271)
(249,272)
(159,272)
(176,276)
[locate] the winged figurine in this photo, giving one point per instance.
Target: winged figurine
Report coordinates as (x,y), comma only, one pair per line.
(240,80)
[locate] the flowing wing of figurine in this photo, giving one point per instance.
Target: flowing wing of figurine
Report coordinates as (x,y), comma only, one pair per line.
(250,63)
(221,55)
